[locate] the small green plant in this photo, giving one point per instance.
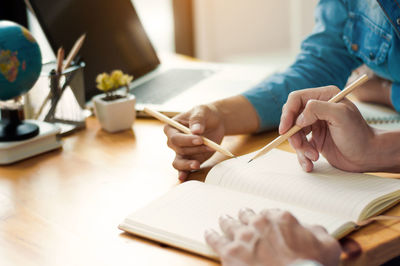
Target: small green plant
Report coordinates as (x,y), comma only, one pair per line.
(110,83)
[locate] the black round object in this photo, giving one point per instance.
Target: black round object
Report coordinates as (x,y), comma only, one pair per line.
(13,129)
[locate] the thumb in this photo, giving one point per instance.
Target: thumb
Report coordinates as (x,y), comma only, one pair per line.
(197,121)
(333,113)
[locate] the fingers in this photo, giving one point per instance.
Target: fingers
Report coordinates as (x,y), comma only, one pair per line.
(305,163)
(324,237)
(183,164)
(246,215)
(197,120)
(301,144)
(177,138)
(183,175)
(215,240)
(332,113)
(298,99)
(229,226)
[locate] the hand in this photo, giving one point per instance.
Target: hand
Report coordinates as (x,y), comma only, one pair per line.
(339,132)
(272,237)
(203,120)
(375,90)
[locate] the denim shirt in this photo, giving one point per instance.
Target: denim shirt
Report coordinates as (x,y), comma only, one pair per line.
(347,34)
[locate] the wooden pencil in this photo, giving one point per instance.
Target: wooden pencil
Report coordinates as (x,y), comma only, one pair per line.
(60,60)
(186,130)
(74,51)
(338,97)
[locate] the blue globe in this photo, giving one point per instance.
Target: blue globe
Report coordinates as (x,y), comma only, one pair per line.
(20,60)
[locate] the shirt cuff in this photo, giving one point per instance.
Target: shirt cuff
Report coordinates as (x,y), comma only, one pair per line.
(395,96)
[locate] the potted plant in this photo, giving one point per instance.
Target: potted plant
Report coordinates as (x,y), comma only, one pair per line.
(115,108)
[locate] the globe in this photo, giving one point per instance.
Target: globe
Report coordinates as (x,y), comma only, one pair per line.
(20,60)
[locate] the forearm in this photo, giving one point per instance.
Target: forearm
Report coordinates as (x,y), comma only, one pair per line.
(238,115)
(385,152)
(376,90)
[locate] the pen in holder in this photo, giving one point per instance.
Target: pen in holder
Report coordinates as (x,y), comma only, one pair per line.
(64,103)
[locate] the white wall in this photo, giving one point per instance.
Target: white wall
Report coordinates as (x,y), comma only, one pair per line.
(250,30)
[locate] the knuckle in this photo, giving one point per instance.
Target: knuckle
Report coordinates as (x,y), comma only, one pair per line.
(175,164)
(178,150)
(293,95)
(287,217)
(165,129)
(245,234)
(333,88)
(259,222)
(174,139)
(320,228)
(311,105)
(169,144)
(234,248)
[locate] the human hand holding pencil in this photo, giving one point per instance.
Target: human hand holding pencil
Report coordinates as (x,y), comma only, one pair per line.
(339,132)
(190,149)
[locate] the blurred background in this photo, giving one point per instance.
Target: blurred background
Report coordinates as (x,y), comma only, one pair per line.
(232,31)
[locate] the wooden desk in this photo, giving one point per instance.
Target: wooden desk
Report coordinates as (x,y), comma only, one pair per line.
(63,207)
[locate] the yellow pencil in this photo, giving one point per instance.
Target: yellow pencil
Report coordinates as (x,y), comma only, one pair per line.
(338,97)
(186,130)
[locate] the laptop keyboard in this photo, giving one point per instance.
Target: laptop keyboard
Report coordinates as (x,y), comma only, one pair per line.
(169,84)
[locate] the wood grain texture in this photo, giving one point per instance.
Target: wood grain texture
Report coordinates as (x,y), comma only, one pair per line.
(63,207)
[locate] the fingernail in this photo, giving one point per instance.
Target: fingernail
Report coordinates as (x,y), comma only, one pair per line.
(309,155)
(181,178)
(195,127)
(300,119)
(304,166)
(193,166)
(197,141)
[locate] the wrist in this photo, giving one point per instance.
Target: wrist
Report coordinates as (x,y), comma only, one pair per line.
(385,152)
(237,115)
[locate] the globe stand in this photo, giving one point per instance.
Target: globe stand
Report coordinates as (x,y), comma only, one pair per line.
(23,139)
(12,128)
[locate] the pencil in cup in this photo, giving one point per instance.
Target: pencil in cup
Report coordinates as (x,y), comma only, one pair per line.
(337,98)
(186,130)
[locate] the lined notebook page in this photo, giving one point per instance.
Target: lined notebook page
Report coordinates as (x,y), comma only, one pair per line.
(278,176)
(180,217)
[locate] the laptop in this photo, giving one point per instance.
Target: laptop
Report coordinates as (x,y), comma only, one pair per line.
(116,39)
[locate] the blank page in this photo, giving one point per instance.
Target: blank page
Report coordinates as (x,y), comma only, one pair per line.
(180,217)
(278,176)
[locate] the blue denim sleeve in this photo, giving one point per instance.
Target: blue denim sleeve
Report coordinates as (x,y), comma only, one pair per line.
(395,96)
(323,60)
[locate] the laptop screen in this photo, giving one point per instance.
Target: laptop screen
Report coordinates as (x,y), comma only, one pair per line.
(115,37)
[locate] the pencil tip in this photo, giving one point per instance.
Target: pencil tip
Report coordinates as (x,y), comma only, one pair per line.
(250,161)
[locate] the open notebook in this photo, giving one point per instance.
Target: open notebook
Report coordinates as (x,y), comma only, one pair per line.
(379,116)
(327,196)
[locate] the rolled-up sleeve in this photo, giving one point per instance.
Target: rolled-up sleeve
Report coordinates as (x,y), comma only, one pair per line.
(323,60)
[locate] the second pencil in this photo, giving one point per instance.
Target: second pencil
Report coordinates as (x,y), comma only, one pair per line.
(186,130)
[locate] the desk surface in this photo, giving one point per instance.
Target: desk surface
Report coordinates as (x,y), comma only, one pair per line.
(63,207)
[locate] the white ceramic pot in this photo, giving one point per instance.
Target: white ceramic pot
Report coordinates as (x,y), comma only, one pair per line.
(116,115)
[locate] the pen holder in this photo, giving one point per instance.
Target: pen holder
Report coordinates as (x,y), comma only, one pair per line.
(59,98)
